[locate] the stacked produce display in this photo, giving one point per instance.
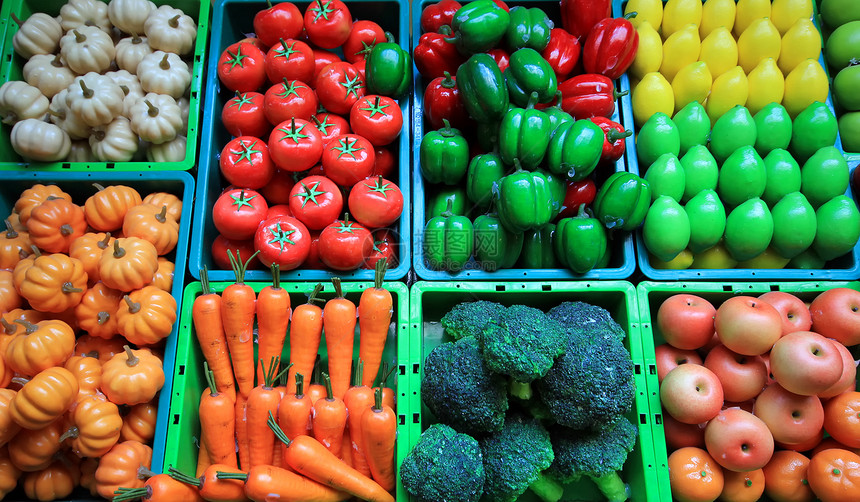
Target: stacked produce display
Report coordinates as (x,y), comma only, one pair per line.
(841,25)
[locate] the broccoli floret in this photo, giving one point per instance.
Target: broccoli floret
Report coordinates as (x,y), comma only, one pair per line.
(461,391)
(597,454)
(523,344)
(591,385)
(587,320)
(514,461)
(444,465)
(471,318)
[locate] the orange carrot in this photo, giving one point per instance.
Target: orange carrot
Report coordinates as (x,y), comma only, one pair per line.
(316,390)
(305,338)
(239,305)
(210,487)
(374,319)
(203,460)
(209,328)
(346,448)
(263,400)
(388,396)
(329,420)
(379,430)
(339,319)
(244,447)
(273,320)
(358,399)
(265,482)
(217,422)
(294,411)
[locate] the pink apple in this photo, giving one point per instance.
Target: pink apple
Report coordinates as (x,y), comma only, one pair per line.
(791,418)
(668,357)
(742,377)
(836,314)
(795,314)
(805,363)
(692,394)
(848,380)
(747,325)
(679,435)
(686,321)
(738,440)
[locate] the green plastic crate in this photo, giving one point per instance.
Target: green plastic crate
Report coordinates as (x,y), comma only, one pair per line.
(189,383)
(651,296)
(431,300)
(12,65)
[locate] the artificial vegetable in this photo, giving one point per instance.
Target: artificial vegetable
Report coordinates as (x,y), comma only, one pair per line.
(87,49)
(439,14)
(44,398)
(151,223)
(579,16)
(77,13)
(478,26)
(53,283)
(146,316)
(610,47)
(48,74)
(528,27)
(589,95)
(580,242)
(389,69)
(529,72)
(132,377)
(328,23)
(129,15)
(448,241)
(623,201)
(561,52)
(524,135)
(442,100)
(170,30)
(114,142)
(444,155)
(614,142)
(484,171)
(434,56)
(575,149)
(483,88)
(40,141)
(41,346)
(495,246)
(95,98)
(525,200)
(20,100)
(164,73)
(39,34)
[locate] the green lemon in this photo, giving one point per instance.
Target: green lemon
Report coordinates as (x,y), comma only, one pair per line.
(700,171)
(773,128)
(782,174)
(807,260)
(794,225)
(838,227)
(694,126)
(742,177)
(666,177)
(736,128)
(843,46)
(707,220)
(659,135)
(749,229)
(666,231)
(824,176)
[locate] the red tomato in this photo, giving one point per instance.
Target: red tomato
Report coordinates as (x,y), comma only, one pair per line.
(245,162)
(328,23)
(295,145)
(345,245)
(313,259)
(277,190)
(338,87)
(361,68)
(323,58)
(241,67)
(577,192)
(238,212)
(243,115)
(257,42)
(283,240)
(282,20)
(316,201)
(363,36)
(219,251)
(442,101)
(317,170)
(347,159)
(377,118)
(291,60)
(384,165)
(290,99)
(330,125)
(384,246)
(279,210)
(375,202)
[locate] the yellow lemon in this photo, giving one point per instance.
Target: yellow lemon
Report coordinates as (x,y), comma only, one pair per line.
(767,259)
(692,83)
(747,12)
(719,51)
(652,95)
(683,260)
(714,257)
(784,13)
(677,14)
(649,55)
(801,41)
(650,11)
(766,85)
(716,13)
(729,89)
(806,84)
(679,50)
(759,41)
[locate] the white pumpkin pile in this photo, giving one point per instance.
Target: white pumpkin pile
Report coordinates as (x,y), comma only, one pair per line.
(104,82)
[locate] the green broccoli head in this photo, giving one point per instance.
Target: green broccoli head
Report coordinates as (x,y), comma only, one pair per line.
(444,465)
(471,318)
(589,386)
(461,391)
(598,454)
(586,320)
(523,344)
(515,458)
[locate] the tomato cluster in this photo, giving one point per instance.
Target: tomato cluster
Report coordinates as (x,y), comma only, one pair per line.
(310,163)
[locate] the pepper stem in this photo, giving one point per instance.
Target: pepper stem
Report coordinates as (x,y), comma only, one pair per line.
(631,15)
(448,82)
(449,209)
(533,99)
(614,135)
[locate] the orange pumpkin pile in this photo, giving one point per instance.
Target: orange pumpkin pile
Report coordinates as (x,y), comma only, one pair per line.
(85,305)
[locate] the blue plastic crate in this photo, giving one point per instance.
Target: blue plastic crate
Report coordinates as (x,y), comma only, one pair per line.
(79,186)
(622,264)
(232,19)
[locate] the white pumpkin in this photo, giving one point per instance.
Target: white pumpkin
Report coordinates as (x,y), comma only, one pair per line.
(65,119)
(20,100)
(48,73)
(114,142)
(80,152)
(164,73)
(87,49)
(130,52)
(40,141)
(39,34)
(95,98)
(77,13)
(171,151)
(156,118)
(130,15)
(170,30)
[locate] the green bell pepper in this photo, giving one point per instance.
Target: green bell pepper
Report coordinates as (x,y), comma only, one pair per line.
(557,116)
(389,69)
(623,201)
(438,203)
(478,26)
(529,72)
(525,201)
(580,242)
(528,28)
(524,135)
(575,148)
(448,241)
(444,155)
(558,189)
(537,250)
(495,246)
(482,88)
(485,170)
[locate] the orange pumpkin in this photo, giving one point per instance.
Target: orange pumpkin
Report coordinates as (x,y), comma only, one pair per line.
(9,297)
(44,398)
(173,203)
(6,379)
(3,369)
(125,465)
(88,372)
(105,210)
(34,196)
(9,474)
(96,314)
(14,246)
(10,327)
(88,474)
(146,315)
(20,270)
(132,377)
(54,283)
(42,345)
(95,426)
(8,428)
(55,224)
(88,248)
(33,450)
(101,349)
(15,219)
(139,423)
(130,265)
(164,275)
(55,482)
(151,222)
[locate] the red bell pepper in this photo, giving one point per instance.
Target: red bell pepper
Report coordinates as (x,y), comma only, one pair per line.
(579,16)
(562,52)
(610,47)
(613,141)
(434,56)
(437,15)
(502,4)
(589,95)
(502,58)
(442,101)
(577,193)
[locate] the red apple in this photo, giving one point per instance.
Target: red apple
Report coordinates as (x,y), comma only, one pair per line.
(744,405)
(747,325)
(795,315)
(766,358)
(742,377)
(668,357)
(686,321)
(804,446)
(791,418)
(836,314)
(691,394)
(680,435)
(805,363)
(848,380)
(713,342)
(738,440)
